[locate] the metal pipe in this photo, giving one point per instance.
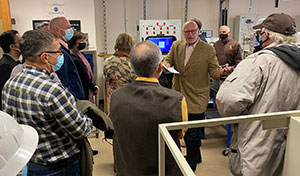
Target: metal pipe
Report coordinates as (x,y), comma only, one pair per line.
(168,10)
(125,16)
(186,10)
(144,6)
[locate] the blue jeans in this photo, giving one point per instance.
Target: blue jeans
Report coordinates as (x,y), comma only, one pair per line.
(67,167)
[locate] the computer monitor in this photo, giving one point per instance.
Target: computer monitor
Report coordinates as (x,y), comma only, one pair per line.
(163,42)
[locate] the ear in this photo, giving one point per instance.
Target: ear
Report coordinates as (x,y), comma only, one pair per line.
(12,46)
(56,30)
(159,69)
(44,58)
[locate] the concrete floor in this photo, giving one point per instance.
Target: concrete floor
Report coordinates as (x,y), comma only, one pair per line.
(213,162)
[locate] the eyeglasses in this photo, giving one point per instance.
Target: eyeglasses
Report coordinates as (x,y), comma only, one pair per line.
(60,52)
(191,31)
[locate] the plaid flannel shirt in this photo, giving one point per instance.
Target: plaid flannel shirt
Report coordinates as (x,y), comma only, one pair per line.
(34,99)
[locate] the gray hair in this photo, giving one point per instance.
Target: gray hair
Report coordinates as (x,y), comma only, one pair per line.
(145,58)
(34,42)
(227,28)
(278,38)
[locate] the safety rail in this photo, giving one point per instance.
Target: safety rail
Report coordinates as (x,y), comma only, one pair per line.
(270,121)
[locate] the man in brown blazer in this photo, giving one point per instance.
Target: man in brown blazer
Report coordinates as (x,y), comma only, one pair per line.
(196,62)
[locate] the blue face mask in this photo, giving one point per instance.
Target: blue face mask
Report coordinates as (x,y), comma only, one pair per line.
(60,62)
(68,34)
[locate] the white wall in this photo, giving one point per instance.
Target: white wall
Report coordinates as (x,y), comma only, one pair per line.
(90,12)
(206,10)
(24,11)
(262,7)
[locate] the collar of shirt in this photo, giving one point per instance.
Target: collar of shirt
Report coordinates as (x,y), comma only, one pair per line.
(63,43)
(15,59)
(147,79)
(29,68)
(192,45)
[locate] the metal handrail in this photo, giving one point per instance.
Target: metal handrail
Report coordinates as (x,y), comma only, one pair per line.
(270,121)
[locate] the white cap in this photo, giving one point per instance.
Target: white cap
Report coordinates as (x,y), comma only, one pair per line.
(17,145)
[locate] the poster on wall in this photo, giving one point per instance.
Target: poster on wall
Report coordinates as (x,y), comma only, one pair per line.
(37,23)
(75,24)
(55,9)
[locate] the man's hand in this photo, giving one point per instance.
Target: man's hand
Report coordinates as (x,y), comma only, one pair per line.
(226,70)
(167,65)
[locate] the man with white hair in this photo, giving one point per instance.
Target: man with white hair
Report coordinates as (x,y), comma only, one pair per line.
(228,51)
(197,62)
(262,84)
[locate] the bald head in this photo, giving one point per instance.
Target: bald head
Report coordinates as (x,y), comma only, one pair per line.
(58,25)
(145,59)
(191,32)
(192,24)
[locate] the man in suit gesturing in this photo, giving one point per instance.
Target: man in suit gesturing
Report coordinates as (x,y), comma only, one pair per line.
(197,62)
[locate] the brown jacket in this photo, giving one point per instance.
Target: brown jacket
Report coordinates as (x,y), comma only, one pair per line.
(228,52)
(136,110)
(193,80)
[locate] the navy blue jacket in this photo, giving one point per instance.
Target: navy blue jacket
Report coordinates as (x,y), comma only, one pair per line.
(69,76)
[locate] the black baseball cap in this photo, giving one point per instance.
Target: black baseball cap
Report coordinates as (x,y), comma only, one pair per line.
(279,22)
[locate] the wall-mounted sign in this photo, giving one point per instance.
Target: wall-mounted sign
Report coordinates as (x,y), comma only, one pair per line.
(57,9)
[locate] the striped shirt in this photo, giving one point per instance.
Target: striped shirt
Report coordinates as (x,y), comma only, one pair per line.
(33,98)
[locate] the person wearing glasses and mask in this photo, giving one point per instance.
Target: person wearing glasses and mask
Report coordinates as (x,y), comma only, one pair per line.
(197,62)
(9,42)
(266,81)
(33,98)
(68,74)
(76,44)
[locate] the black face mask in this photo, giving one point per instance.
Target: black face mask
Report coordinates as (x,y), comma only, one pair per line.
(81,46)
(261,42)
(223,36)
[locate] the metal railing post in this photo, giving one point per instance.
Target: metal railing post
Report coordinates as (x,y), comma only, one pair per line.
(161,154)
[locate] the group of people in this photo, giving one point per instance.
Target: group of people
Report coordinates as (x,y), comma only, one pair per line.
(43,89)
(137,103)
(257,84)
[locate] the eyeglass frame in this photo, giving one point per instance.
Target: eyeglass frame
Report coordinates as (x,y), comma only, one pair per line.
(191,31)
(60,51)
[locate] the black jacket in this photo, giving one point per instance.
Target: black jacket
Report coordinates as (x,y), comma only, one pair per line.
(7,63)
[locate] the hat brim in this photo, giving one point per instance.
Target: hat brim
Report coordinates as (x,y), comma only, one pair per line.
(23,155)
(259,26)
